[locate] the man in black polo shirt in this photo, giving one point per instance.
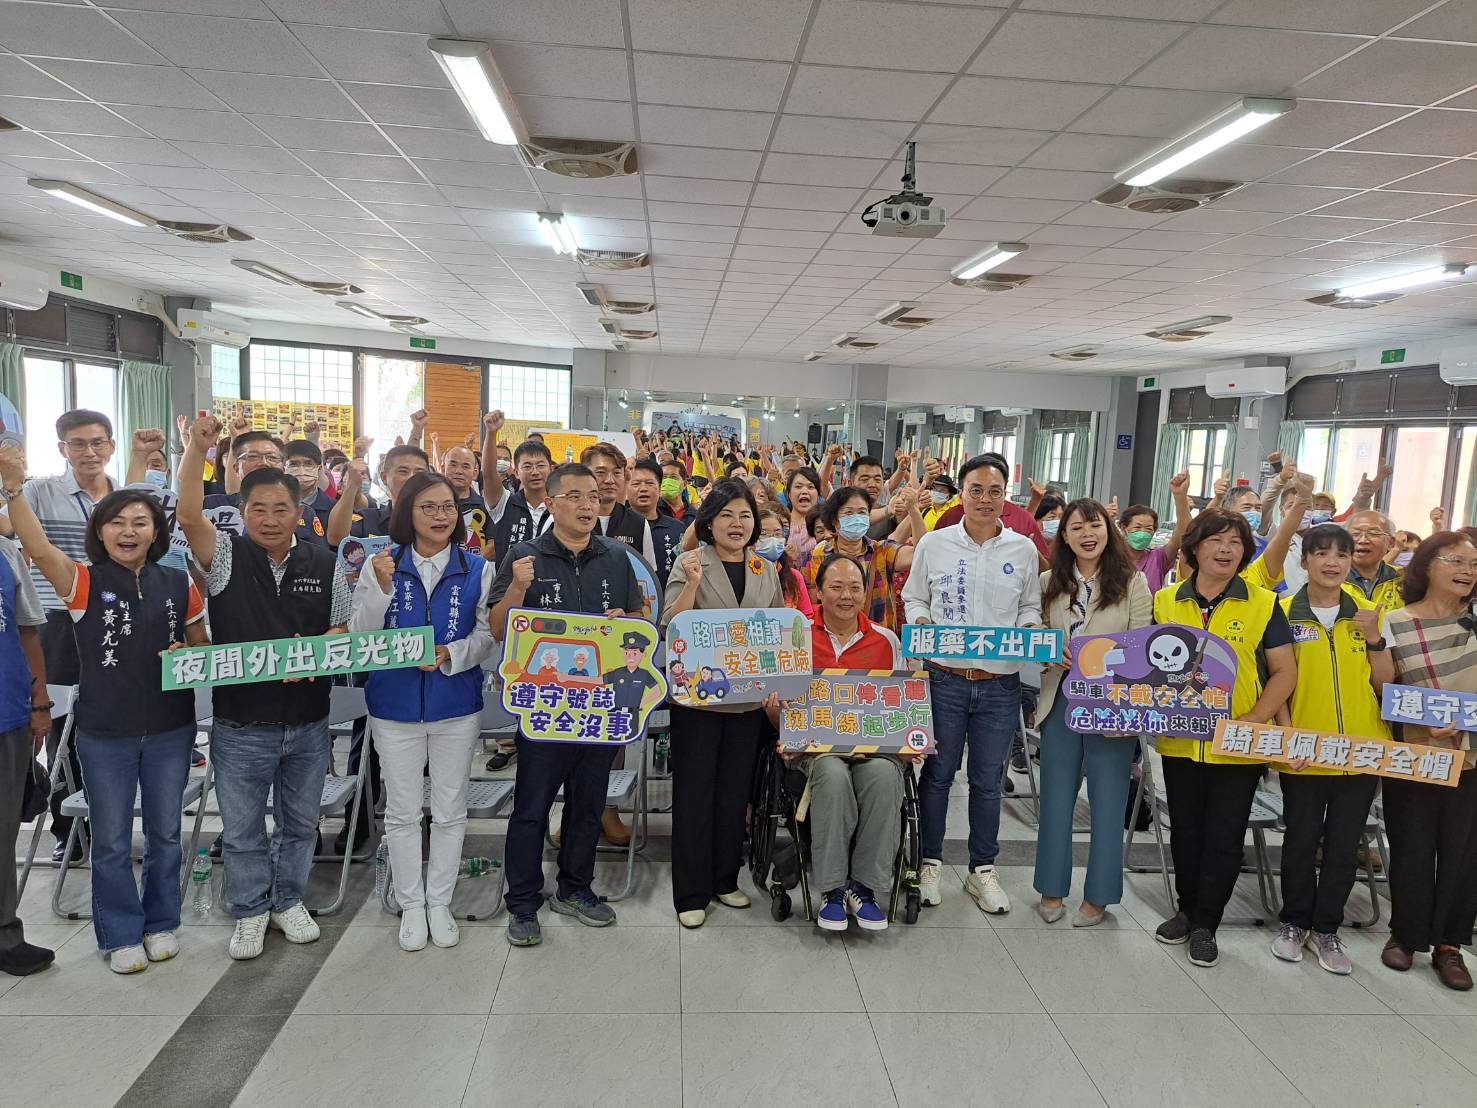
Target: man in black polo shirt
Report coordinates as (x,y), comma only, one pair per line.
(265,585)
(568,568)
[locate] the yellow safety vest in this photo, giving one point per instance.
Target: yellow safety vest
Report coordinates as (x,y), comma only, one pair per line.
(1241,619)
(1335,664)
(1388,582)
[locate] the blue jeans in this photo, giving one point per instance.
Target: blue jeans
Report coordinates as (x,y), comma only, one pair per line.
(291,760)
(1108,764)
(155,768)
(983,714)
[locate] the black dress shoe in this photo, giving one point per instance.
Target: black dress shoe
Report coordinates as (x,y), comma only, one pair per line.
(24,959)
(218,846)
(500,759)
(58,852)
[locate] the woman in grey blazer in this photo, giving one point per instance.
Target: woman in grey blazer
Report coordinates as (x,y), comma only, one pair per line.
(713,748)
(1092,587)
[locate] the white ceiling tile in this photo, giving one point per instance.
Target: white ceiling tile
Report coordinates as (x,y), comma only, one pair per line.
(51,31)
(365,167)
(184,177)
(242,45)
(709,82)
(810,197)
(65,117)
(219,155)
(1072,48)
(131,151)
(1391,205)
(791,219)
(112,83)
(996,102)
(281,184)
(390,192)
(1191,10)
(808,169)
(1449,133)
(324,134)
(568,22)
(1245,61)
(1015,209)
(694,126)
(937,177)
(458,146)
(405,104)
(870,94)
(611,206)
(723,215)
(1354,170)
(1452,177)
(1394,72)
(195,126)
(607,120)
(756,29)
(251,93)
(1050,184)
(1455,22)
(698,190)
(1359,17)
(849,138)
(421,16)
(20,77)
(474,174)
(564,71)
(1319,123)
(897,36)
(1415,234)
(1077,236)
(1090,152)
(977,145)
(372,56)
(1281,198)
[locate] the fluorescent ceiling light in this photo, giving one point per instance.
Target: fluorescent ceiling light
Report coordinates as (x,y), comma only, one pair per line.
(997,253)
(474,75)
(1240,119)
(84,198)
(360,309)
(261,269)
(557,230)
(1431,276)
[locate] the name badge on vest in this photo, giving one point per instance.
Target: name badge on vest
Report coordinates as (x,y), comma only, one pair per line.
(1304,632)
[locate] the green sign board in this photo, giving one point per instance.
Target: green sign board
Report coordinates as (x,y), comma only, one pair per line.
(422,344)
(244,663)
(71,281)
(1148,384)
(1388,357)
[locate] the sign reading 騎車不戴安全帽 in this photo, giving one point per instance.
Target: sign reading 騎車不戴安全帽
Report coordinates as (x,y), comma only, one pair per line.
(244,663)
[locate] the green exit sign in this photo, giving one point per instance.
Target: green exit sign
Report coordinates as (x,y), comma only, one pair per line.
(71,281)
(1388,357)
(1148,384)
(422,344)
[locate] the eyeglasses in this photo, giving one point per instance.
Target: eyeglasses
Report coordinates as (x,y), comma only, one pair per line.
(980,492)
(579,497)
(435,511)
(304,466)
(845,589)
(1357,535)
(1457,563)
(79,445)
(274,460)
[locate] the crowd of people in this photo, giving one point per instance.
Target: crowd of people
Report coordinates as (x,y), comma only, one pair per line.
(1321,609)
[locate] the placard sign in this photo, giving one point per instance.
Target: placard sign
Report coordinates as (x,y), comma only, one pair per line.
(245,663)
(1161,680)
(355,554)
(859,711)
(226,517)
(572,677)
(1429,707)
(737,655)
(1349,753)
(946,642)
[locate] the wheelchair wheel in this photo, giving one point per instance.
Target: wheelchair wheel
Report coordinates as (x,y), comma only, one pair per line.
(780,906)
(910,908)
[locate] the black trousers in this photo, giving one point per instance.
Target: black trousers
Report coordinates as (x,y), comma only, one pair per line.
(59,648)
(583,770)
(1433,861)
(712,773)
(1209,806)
(1330,811)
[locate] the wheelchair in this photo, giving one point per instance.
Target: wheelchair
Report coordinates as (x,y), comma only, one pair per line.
(780,867)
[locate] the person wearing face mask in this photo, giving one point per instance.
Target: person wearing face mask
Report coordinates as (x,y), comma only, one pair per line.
(1139,523)
(1370,576)
(674,491)
(943,497)
(304,463)
(1407,542)
(661,532)
(847,514)
(771,547)
(1049,514)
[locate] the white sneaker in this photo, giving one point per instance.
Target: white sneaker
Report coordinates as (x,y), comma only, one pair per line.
(161,947)
(413,929)
(928,881)
(296,925)
(128,959)
(444,931)
(984,885)
(249,937)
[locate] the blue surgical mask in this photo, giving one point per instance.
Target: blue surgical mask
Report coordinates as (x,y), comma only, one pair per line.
(1049,527)
(157,477)
(1317,517)
(770,549)
(1253,519)
(940,496)
(1403,558)
(853,527)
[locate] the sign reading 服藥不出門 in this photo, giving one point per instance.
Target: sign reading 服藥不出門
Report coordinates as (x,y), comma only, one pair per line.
(244,663)
(859,711)
(1429,707)
(737,655)
(1266,742)
(1161,680)
(948,642)
(580,677)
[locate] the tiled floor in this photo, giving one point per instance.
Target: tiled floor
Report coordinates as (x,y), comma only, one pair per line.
(962,1009)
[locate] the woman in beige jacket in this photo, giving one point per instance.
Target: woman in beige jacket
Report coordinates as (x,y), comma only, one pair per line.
(713,748)
(1090,587)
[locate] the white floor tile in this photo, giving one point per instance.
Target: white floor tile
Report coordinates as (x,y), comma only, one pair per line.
(1095,971)
(938,970)
(587,970)
(78,1061)
(777,969)
(1417,991)
(368,972)
(1250,980)
(1454,1034)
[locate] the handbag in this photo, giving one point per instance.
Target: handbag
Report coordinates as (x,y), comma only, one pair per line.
(36,794)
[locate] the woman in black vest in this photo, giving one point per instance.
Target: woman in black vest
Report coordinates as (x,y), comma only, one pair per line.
(132,738)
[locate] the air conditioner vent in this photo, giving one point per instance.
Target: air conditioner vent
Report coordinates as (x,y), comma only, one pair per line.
(613,259)
(1334,300)
(638,336)
(629,307)
(911,322)
(581,158)
(993,282)
(204,232)
(1076,353)
(1166,197)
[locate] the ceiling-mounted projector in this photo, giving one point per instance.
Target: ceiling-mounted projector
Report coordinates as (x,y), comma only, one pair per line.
(909,212)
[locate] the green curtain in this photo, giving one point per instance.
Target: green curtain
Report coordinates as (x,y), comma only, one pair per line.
(13,375)
(1166,465)
(1040,455)
(1081,461)
(144,392)
(1228,459)
(1290,438)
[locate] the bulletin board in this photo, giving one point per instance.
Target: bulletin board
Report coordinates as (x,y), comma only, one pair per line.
(335,420)
(454,402)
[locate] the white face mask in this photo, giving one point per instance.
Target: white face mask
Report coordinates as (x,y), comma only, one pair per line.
(157,477)
(503,465)
(940,496)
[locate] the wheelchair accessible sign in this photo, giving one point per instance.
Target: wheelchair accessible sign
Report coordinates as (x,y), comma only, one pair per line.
(245,663)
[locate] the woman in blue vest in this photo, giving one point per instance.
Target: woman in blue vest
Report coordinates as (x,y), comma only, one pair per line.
(427,716)
(131,737)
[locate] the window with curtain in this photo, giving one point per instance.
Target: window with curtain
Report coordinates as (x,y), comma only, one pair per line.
(1204,456)
(1002,443)
(1059,457)
(526,392)
(225,372)
(55,385)
(300,374)
(392,388)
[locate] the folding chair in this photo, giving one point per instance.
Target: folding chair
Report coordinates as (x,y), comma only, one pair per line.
(625,791)
(1030,739)
(659,727)
(61,698)
(1148,794)
(485,800)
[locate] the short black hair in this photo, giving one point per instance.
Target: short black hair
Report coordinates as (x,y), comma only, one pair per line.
(402,515)
(81,417)
(809,473)
(724,492)
(1238,491)
(333,456)
(110,506)
(400,452)
(304,448)
(1050,503)
(813,517)
(650,466)
(979,461)
(269,475)
(865,460)
(1125,517)
(1211,522)
(832,559)
(831,507)
(246,438)
(1327,536)
(532,446)
(560,473)
(682,469)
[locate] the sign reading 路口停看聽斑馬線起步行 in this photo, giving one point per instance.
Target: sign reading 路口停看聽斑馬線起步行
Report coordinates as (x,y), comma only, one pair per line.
(859,711)
(244,663)
(1268,742)
(737,655)
(947,642)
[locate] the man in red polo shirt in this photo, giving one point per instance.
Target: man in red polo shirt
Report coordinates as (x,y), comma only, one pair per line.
(1012,516)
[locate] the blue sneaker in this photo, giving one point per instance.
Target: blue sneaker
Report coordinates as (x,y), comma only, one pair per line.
(861,904)
(833,912)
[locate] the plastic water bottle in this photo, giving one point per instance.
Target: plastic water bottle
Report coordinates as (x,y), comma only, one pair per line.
(477,867)
(381,868)
(202,896)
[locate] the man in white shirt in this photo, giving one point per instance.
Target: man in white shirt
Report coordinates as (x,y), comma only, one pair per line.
(974,573)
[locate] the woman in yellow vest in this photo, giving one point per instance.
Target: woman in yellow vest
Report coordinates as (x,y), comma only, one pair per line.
(1210,794)
(1342,665)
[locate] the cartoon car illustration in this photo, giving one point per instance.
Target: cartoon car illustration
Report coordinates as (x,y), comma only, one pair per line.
(551,659)
(711,685)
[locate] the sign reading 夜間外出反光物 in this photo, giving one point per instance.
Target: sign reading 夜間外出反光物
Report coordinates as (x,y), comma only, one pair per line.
(948,642)
(244,663)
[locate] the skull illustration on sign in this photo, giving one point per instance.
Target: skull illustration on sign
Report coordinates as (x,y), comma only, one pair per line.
(1170,652)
